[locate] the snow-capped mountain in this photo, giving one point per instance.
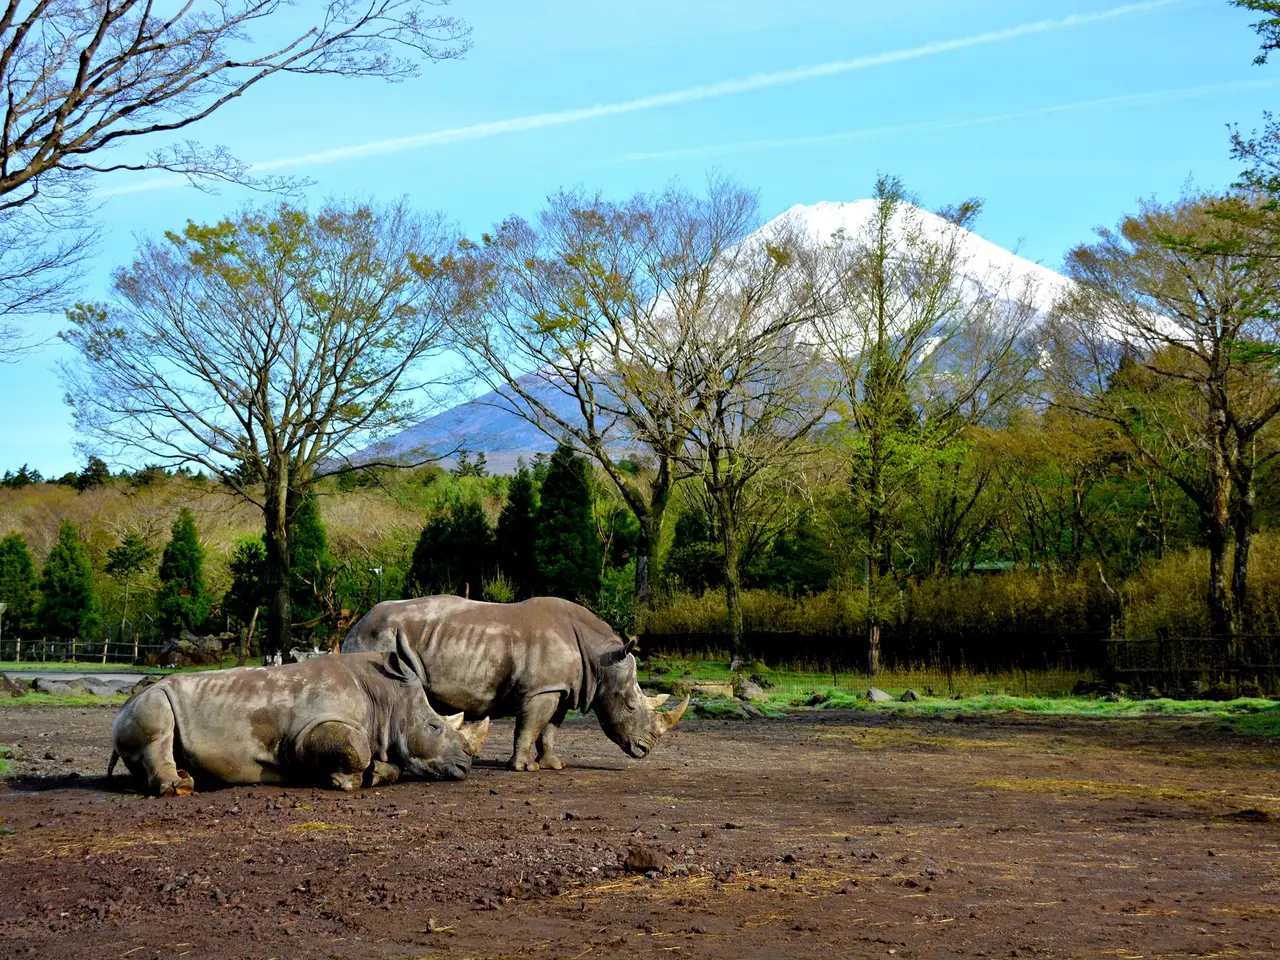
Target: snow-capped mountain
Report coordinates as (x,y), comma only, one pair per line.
(487,423)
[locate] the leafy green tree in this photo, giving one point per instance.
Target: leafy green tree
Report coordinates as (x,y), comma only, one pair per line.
(68,606)
(567,550)
(309,560)
(517,530)
(454,554)
(95,474)
(183,601)
(341,306)
(125,562)
(17,583)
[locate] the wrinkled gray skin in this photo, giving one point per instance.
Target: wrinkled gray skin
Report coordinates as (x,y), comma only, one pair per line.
(340,721)
(534,660)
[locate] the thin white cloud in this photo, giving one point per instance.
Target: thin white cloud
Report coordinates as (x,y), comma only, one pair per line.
(1150,98)
(724,88)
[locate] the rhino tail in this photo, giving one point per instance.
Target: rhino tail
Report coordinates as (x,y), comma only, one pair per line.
(115,758)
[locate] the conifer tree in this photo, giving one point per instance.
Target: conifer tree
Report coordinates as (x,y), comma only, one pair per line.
(454,554)
(248,590)
(124,562)
(183,600)
(517,530)
(68,606)
(566,550)
(17,583)
(309,561)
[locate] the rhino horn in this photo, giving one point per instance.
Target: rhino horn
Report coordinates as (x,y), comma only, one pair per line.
(672,717)
(455,720)
(474,734)
(656,701)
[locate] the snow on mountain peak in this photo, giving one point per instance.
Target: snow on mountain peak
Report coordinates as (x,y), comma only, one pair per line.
(983,258)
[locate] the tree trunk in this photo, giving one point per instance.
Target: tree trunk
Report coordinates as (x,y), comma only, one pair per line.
(647,560)
(275,538)
(1242,522)
(732,584)
(1218,524)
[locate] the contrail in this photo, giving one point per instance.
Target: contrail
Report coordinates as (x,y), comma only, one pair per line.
(712,91)
(936,126)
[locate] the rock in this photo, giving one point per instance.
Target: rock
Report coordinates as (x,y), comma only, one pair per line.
(101,688)
(189,650)
(12,688)
(642,859)
(712,689)
(749,690)
(71,687)
(751,710)
(909,696)
(876,695)
(143,684)
(297,655)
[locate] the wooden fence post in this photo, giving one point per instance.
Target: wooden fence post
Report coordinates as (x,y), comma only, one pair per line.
(105,639)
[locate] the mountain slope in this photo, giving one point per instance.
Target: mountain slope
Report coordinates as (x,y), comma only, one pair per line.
(487,423)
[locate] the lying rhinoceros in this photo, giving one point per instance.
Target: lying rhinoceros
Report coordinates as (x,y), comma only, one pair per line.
(345,721)
(535,660)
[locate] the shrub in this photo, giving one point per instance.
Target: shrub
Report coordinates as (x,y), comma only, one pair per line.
(1168,596)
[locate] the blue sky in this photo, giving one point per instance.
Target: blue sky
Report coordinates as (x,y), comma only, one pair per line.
(1060,114)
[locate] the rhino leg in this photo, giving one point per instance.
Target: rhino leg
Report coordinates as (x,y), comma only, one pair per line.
(336,752)
(380,774)
(547,758)
(535,714)
(145,740)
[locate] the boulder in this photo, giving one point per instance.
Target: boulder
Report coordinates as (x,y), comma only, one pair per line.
(298,655)
(876,695)
(752,711)
(189,650)
(642,859)
(749,690)
(142,684)
(712,689)
(12,688)
(909,696)
(99,687)
(70,687)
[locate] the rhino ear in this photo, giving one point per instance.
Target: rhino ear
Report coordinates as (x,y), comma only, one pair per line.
(615,657)
(405,662)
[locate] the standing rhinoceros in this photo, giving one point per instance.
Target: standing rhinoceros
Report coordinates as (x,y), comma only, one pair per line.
(535,660)
(345,721)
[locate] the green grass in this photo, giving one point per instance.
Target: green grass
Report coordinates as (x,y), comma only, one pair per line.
(6,767)
(48,700)
(806,679)
(94,666)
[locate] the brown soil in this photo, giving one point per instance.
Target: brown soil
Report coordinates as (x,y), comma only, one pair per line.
(827,835)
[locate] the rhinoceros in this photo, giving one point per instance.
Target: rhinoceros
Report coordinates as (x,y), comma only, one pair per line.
(534,660)
(340,721)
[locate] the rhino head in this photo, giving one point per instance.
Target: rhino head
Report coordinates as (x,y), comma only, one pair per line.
(628,717)
(428,744)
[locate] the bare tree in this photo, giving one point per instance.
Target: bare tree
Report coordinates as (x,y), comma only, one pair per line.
(1171,335)
(575,321)
(80,78)
(924,343)
(747,380)
(265,348)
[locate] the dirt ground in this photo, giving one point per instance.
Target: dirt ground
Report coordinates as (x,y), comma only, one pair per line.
(827,835)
